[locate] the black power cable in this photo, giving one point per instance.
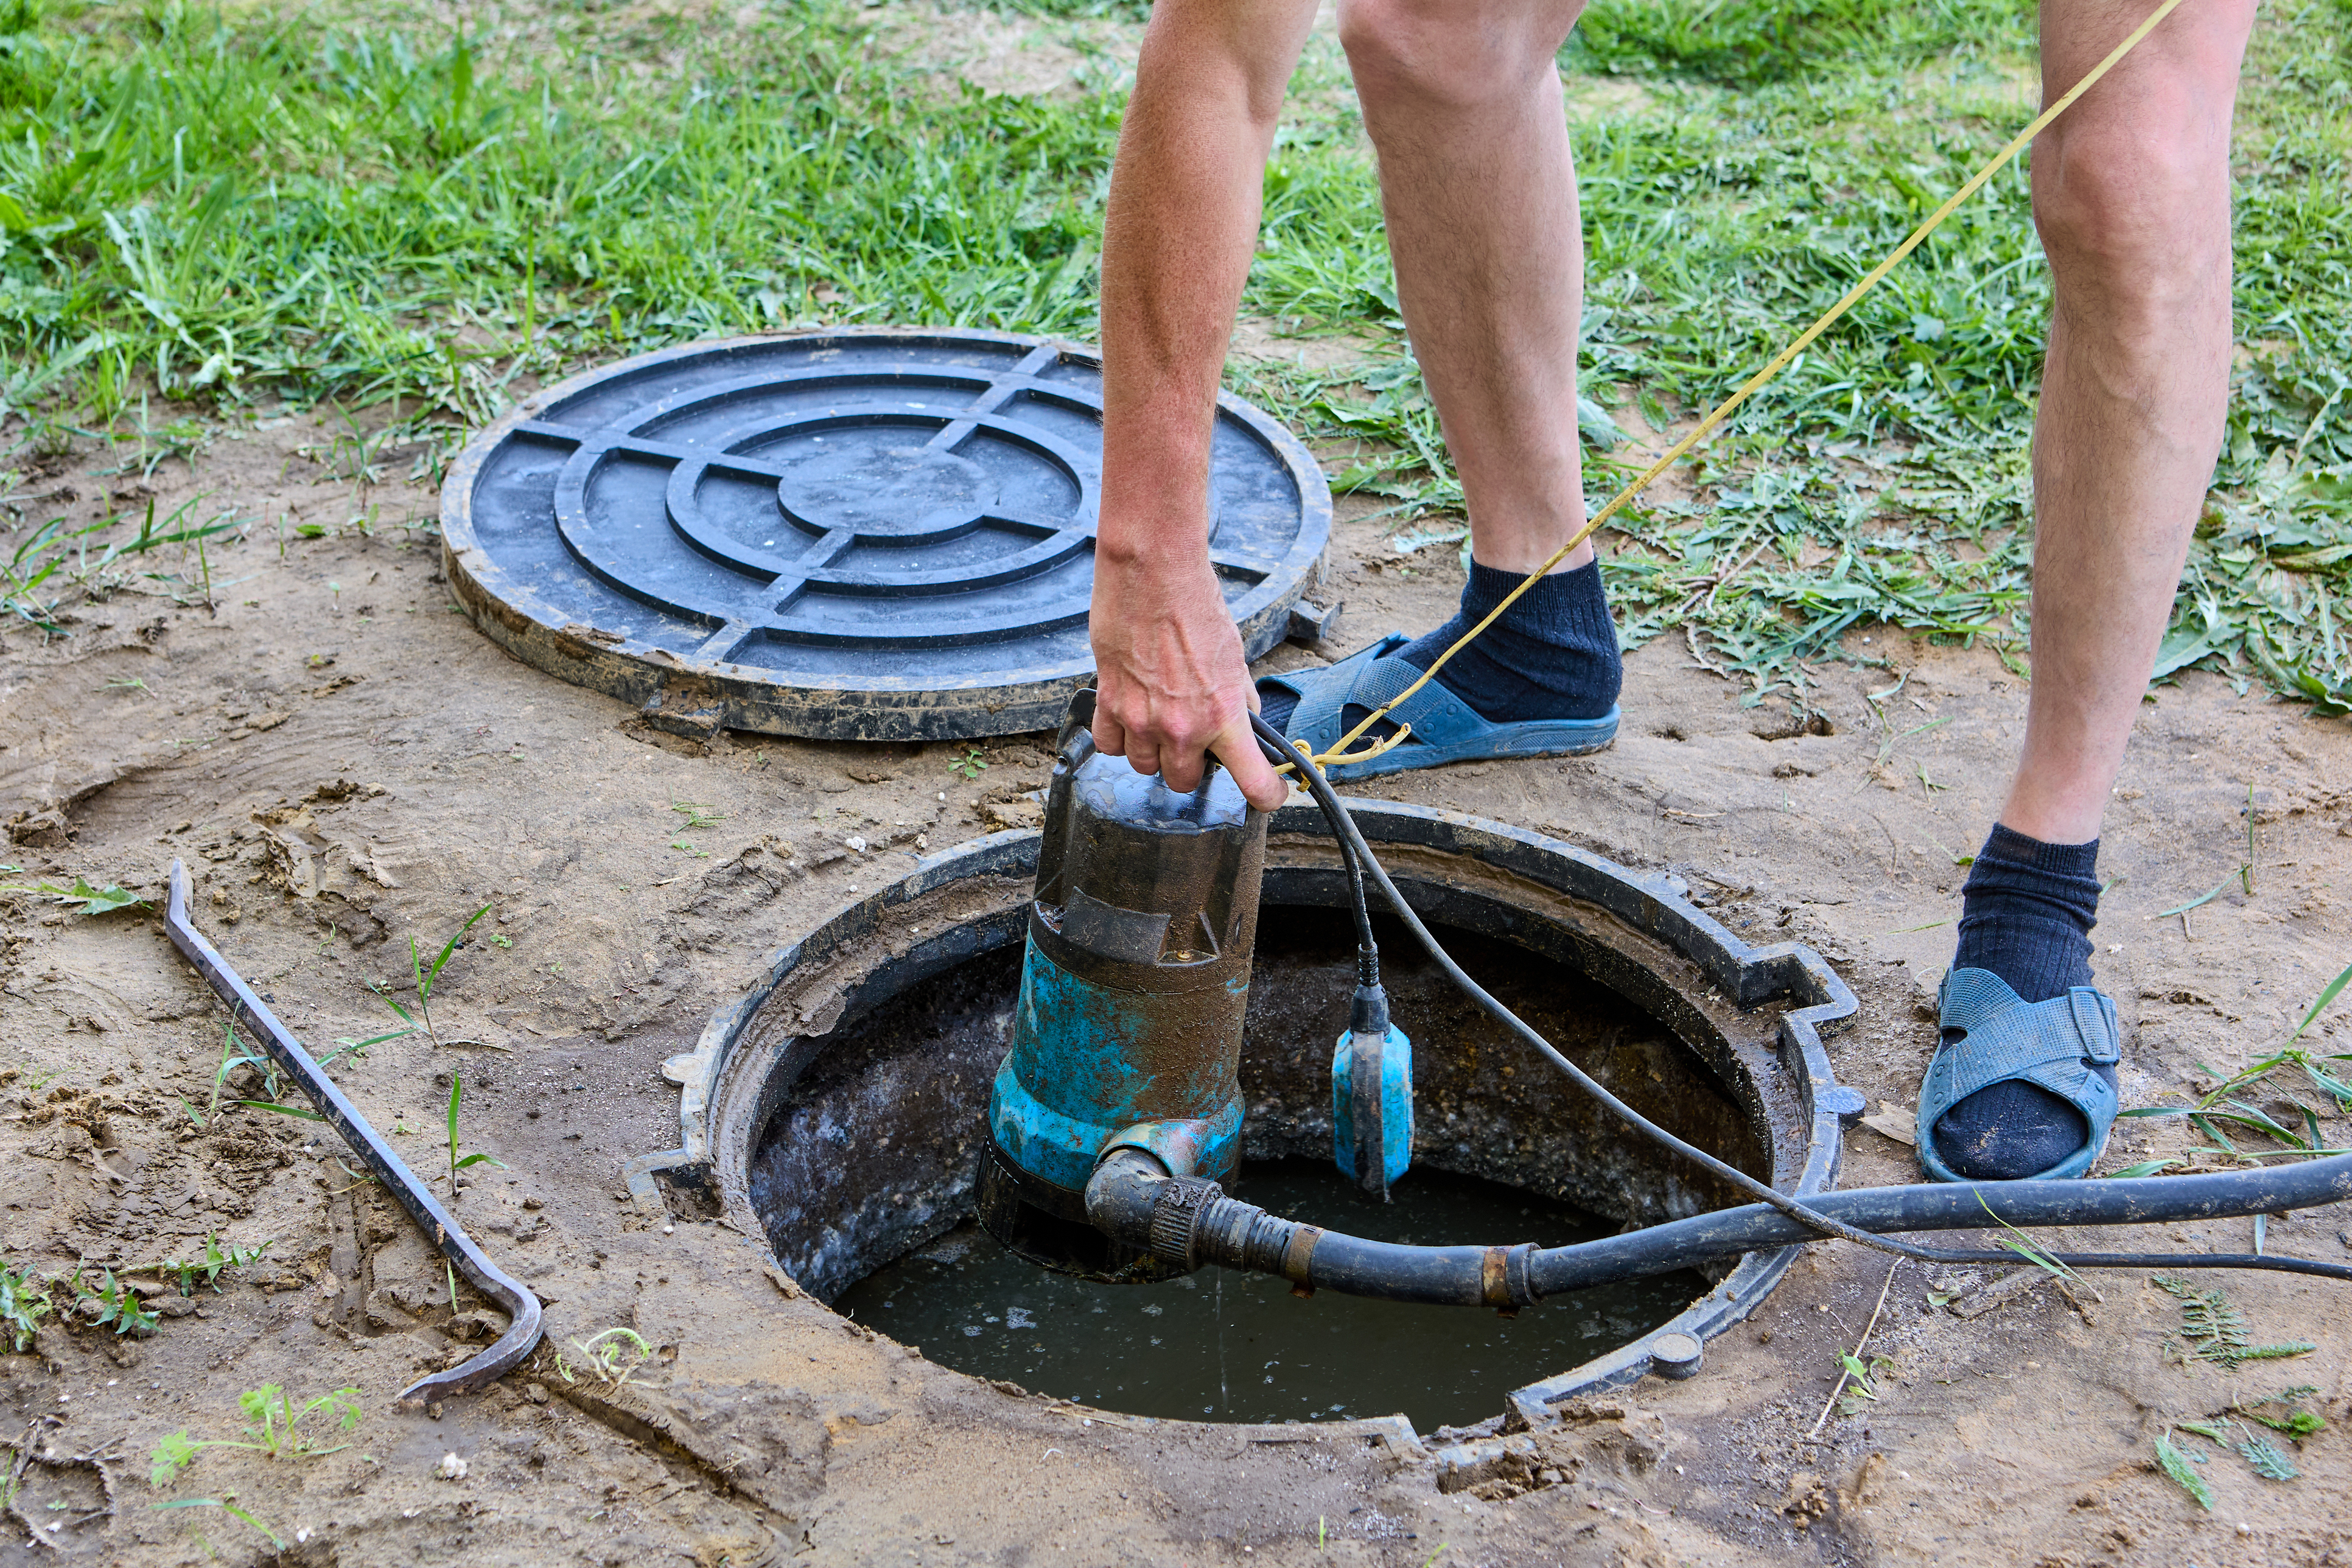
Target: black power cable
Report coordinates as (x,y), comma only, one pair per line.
(1279,750)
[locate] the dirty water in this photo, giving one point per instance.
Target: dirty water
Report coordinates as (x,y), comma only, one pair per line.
(1225,1346)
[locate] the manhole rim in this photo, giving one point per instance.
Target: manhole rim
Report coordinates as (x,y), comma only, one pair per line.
(821,705)
(1654,903)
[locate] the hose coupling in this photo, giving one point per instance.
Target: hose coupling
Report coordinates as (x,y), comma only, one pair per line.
(1186,1221)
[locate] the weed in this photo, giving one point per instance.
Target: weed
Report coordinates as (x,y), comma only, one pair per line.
(2017,1241)
(608,1356)
(423,975)
(969,765)
(113,1305)
(2283,1412)
(274,1430)
(207,1268)
(49,551)
(2269,1461)
(456,1095)
(93,901)
(234,1055)
(2184,1475)
(501,939)
(2213,1328)
(23,1305)
(2222,1103)
(357,1050)
(1862,1382)
(227,1503)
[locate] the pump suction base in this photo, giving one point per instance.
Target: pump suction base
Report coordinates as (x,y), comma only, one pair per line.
(1048,1226)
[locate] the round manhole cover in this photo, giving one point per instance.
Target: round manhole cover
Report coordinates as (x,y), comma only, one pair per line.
(870,536)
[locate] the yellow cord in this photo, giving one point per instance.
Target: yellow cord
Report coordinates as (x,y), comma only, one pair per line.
(1338,754)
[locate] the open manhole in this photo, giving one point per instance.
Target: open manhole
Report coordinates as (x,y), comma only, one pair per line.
(837,1109)
(873,535)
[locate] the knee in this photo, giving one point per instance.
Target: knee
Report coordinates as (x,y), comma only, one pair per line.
(1448,54)
(2147,220)
(2135,205)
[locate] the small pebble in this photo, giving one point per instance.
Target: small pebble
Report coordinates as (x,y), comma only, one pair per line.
(451,1468)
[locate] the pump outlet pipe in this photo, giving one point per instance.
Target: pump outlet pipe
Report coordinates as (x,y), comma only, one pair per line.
(1187,1221)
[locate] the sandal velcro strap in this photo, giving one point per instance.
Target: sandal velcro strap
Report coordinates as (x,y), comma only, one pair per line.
(1992,1036)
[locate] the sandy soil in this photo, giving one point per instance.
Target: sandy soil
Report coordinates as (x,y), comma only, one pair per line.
(347,765)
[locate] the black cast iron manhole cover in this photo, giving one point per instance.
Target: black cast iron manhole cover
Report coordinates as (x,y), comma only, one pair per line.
(856,535)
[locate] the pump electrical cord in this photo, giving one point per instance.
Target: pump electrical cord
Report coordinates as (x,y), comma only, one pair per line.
(1360,861)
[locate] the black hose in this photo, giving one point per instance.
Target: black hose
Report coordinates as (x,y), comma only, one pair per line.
(1942,1206)
(1344,826)
(1187,1222)
(2049,1202)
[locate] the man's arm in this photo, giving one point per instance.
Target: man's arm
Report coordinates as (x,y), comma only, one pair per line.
(1177,242)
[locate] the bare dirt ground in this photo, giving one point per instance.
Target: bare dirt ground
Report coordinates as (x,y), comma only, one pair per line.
(346,765)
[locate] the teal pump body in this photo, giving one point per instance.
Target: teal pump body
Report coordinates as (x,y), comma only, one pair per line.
(1134,981)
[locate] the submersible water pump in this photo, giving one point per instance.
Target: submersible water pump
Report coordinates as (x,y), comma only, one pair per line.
(1134,989)
(1115,1124)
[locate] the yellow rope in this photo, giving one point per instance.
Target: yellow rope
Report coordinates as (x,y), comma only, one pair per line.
(1339,752)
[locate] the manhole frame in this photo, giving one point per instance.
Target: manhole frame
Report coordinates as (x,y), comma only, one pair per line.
(703,695)
(1653,904)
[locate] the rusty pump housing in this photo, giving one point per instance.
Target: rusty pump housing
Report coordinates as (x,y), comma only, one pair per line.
(1127,1029)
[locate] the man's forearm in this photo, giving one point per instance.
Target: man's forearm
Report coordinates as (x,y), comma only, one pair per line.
(1177,242)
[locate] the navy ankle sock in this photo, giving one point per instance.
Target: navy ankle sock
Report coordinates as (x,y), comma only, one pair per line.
(1553,654)
(2026,914)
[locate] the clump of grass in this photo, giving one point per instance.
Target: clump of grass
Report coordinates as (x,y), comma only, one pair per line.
(51,551)
(2224,1102)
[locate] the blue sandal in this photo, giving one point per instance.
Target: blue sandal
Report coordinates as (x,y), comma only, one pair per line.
(1445,728)
(1991,1036)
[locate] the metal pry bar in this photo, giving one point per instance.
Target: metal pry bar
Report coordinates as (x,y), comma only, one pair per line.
(523,1333)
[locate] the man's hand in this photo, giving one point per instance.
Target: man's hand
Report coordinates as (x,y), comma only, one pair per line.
(1169,681)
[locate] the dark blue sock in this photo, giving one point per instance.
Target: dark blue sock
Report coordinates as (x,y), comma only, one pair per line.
(2026,914)
(1553,654)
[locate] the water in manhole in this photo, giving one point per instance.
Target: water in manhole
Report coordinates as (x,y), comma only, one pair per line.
(1221,1345)
(838,1109)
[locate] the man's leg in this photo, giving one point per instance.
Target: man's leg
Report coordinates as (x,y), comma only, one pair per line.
(2131,194)
(1462,101)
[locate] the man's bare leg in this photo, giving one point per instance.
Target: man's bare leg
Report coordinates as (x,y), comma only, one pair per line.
(1462,99)
(2131,192)
(2132,197)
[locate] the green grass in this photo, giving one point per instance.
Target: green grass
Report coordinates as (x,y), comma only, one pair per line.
(242,207)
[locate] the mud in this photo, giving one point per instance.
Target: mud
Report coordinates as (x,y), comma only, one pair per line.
(347,766)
